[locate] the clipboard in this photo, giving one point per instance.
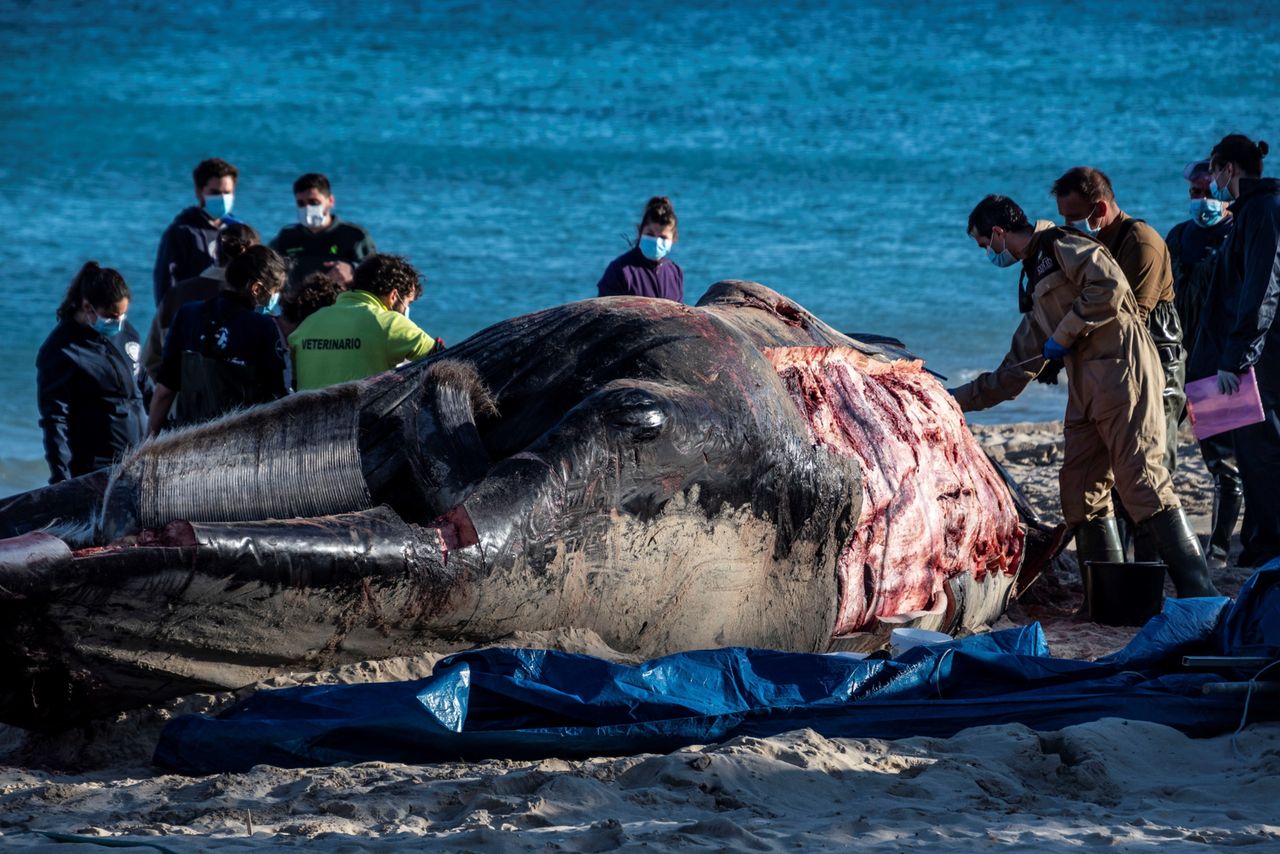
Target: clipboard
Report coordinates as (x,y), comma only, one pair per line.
(1212,412)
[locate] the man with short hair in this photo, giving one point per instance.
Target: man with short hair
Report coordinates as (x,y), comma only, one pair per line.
(1087,202)
(1193,249)
(233,240)
(319,240)
(366,331)
(1077,307)
(190,243)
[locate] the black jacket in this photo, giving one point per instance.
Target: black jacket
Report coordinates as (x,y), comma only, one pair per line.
(91,406)
(220,355)
(1236,329)
(1193,253)
(308,251)
(188,247)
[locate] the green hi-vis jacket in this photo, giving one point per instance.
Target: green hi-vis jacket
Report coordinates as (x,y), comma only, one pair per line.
(354,338)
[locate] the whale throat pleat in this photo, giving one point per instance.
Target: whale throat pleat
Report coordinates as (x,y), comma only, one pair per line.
(295,458)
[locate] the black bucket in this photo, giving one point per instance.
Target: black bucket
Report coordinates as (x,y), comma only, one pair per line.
(1123,594)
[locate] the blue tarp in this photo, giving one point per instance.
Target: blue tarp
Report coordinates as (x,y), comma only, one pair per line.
(522,703)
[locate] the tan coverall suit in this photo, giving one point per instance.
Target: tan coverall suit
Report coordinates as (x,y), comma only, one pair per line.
(1114,424)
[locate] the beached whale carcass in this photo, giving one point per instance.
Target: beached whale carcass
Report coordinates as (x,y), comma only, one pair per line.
(670,477)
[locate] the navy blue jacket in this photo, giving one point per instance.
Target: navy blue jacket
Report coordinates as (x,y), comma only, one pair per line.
(187,248)
(1193,252)
(1237,329)
(227,329)
(91,406)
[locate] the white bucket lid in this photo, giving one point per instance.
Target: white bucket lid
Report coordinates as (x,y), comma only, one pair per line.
(901,640)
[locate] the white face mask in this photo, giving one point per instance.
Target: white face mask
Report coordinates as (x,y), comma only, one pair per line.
(312,216)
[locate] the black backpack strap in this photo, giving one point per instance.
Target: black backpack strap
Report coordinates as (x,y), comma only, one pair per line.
(1174,241)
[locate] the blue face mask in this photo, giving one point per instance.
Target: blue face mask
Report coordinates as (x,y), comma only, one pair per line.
(1222,194)
(219,206)
(109,326)
(654,248)
(1001,259)
(272,307)
(1207,212)
(1083,225)
(1004,258)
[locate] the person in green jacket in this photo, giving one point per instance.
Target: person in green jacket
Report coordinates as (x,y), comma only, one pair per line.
(367,331)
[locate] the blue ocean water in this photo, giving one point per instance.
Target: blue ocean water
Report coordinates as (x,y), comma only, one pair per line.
(829,150)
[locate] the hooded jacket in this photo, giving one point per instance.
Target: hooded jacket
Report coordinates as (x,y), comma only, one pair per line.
(187,248)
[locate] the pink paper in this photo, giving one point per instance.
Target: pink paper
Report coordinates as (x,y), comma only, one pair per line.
(1213,412)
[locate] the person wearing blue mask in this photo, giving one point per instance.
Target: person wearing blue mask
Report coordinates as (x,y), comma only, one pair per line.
(1237,330)
(646,270)
(1077,307)
(189,245)
(87,377)
(1193,247)
(1087,202)
(225,353)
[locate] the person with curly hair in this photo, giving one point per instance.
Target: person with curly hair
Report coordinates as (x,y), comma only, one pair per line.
(318,290)
(366,331)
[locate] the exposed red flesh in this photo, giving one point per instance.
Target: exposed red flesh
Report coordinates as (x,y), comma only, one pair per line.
(176,534)
(932,504)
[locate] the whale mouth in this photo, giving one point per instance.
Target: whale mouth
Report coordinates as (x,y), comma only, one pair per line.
(933,507)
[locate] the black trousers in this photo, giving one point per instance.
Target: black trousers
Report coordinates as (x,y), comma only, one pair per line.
(1258,456)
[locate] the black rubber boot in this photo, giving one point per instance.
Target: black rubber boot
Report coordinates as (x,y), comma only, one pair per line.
(1228,498)
(1098,540)
(1179,547)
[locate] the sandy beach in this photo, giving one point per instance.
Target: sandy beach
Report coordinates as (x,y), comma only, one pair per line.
(1112,783)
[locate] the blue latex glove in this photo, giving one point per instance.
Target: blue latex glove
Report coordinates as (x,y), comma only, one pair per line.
(1054,350)
(1228,383)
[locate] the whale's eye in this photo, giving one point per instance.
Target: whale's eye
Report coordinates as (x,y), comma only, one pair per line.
(634,411)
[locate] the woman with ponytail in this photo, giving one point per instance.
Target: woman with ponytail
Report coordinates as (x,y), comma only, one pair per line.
(645,270)
(1239,331)
(91,406)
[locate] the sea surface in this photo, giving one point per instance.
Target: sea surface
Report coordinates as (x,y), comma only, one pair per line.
(829,150)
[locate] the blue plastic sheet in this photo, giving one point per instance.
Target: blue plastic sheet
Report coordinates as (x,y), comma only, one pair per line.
(520,703)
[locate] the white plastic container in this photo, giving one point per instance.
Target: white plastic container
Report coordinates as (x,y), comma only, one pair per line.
(901,640)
